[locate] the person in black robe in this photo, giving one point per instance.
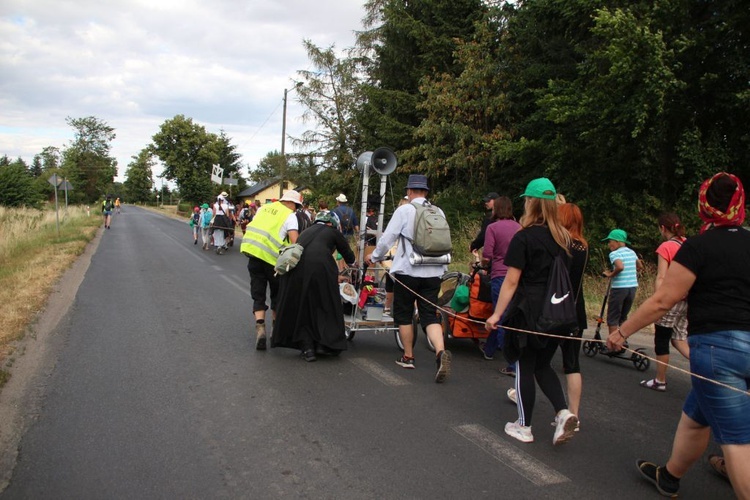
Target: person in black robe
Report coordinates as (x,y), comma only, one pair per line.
(310,315)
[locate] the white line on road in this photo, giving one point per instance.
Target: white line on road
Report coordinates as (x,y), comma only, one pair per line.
(377,371)
(521,462)
(234,284)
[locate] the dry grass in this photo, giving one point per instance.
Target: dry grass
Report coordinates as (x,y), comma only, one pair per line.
(33,258)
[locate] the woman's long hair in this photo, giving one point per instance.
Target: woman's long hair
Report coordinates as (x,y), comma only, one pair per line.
(571,218)
(541,212)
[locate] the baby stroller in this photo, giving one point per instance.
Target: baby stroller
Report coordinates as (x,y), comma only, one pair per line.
(468,321)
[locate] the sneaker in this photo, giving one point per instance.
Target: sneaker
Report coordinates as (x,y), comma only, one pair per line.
(718,465)
(655,474)
(512,396)
(578,425)
(520,432)
(405,362)
(654,384)
(565,427)
(195,242)
(443,366)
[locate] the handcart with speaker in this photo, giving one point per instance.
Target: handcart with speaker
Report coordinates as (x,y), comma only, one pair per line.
(363,288)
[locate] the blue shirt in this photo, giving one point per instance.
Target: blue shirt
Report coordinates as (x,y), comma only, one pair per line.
(628,277)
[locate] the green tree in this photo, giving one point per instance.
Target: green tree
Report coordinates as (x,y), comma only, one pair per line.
(86,161)
(138,177)
(414,39)
(189,152)
(331,94)
(17,186)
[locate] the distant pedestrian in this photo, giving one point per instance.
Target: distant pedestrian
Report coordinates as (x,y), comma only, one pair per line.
(221,223)
(195,223)
(206,216)
(117,205)
(478,242)
(107,206)
(348,221)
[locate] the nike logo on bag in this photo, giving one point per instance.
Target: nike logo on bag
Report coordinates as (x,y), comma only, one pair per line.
(555,300)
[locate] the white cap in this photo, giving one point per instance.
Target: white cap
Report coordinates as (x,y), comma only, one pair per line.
(341,198)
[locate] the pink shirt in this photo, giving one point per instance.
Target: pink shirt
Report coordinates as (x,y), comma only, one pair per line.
(496,241)
(669,248)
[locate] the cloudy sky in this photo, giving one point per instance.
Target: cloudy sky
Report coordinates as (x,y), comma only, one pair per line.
(136,63)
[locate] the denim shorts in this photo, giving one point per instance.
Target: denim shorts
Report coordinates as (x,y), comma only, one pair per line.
(724,357)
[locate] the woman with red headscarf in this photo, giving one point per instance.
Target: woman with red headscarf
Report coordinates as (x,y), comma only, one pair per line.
(713,270)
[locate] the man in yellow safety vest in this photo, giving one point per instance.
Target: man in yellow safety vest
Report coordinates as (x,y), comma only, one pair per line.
(274,226)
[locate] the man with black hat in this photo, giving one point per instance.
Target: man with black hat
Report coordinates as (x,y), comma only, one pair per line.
(488,200)
(420,283)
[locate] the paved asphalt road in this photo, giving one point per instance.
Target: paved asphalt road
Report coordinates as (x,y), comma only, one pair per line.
(158,392)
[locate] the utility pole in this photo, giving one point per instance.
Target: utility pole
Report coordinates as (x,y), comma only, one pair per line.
(282,170)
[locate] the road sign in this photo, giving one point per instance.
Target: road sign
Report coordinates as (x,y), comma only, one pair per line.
(55,180)
(216,174)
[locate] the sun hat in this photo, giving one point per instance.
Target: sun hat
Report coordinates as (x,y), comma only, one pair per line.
(327,218)
(205,205)
(293,196)
(540,188)
(417,181)
(617,235)
(341,198)
(490,196)
(224,194)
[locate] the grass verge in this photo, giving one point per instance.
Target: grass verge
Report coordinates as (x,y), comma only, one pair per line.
(34,256)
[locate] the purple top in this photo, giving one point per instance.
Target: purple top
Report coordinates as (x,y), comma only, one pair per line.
(496,241)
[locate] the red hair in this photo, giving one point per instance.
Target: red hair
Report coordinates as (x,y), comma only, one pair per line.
(571,218)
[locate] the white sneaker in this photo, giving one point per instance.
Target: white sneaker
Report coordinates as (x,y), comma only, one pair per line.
(565,427)
(512,395)
(520,432)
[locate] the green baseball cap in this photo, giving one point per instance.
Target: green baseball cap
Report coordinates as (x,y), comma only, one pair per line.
(540,188)
(205,205)
(617,235)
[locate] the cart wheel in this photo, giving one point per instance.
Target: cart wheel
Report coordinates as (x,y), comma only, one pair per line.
(640,362)
(589,348)
(349,333)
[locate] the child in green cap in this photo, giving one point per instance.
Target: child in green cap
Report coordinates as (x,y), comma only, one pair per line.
(624,276)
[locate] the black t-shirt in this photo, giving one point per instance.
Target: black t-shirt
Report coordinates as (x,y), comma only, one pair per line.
(532,250)
(720,297)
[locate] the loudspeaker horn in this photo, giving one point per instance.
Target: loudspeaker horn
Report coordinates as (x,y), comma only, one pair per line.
(383,161)
(364,160)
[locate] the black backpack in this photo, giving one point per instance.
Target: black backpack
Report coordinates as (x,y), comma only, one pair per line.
(558,315)
(345,218)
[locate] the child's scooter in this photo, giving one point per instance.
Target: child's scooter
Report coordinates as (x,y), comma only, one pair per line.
(593,347)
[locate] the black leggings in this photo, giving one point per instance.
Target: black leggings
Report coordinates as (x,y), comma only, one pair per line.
(535,364)
(662,338)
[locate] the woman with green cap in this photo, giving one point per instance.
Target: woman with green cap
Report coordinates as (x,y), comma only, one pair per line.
(529,260)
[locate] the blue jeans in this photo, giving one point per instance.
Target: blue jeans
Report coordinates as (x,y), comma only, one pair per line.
(724,357)
(496,338)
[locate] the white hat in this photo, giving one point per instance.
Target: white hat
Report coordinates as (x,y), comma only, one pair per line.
(224,194)
(341,198)
(293,196)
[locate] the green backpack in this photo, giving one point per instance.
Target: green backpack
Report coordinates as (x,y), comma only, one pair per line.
(432,235)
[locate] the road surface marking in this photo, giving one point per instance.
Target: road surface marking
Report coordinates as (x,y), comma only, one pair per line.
(377,371)
(521,462)
(242,289)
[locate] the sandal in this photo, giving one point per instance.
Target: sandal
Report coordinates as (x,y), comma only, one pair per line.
(509,371)
(654,384)
(718,465)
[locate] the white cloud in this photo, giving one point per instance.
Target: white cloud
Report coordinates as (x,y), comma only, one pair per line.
(137,63)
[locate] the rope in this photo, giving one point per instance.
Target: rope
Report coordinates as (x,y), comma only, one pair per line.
(562,337)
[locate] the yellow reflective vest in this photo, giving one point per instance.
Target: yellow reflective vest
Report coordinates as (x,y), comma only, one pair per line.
(262,237)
